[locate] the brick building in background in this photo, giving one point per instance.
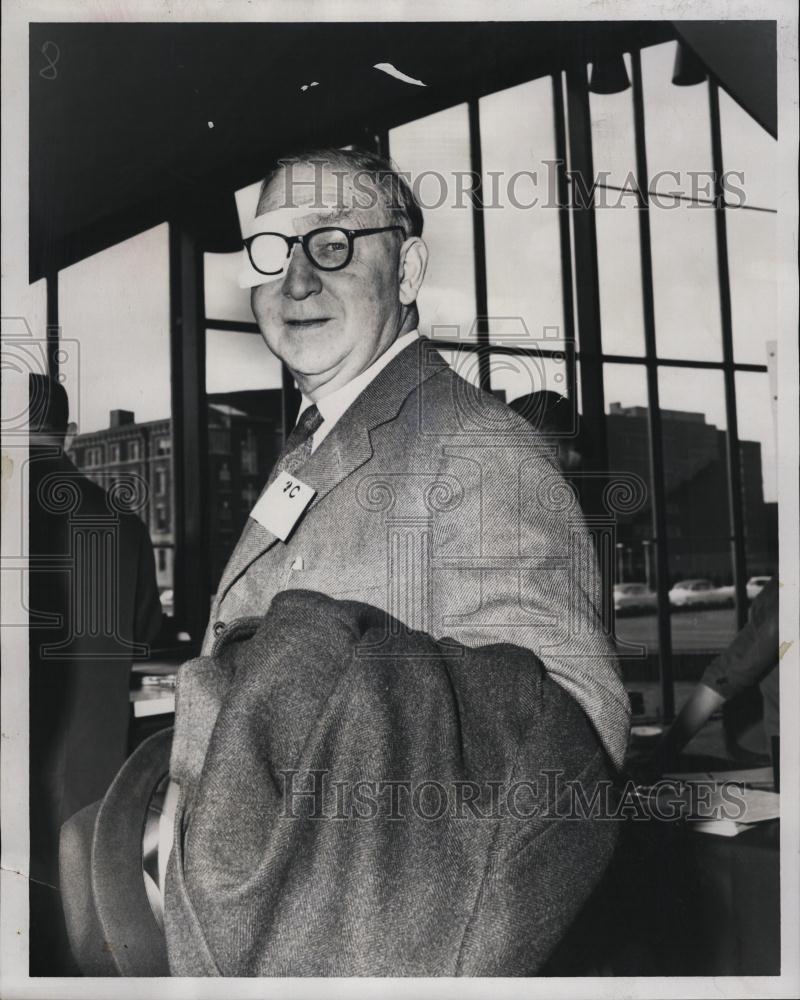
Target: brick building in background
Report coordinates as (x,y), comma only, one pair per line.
(245,434)
(696,489)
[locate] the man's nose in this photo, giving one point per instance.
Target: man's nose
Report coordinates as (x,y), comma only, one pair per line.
(302,278)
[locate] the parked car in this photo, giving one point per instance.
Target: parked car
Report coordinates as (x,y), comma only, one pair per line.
(167,598)
(755,585)
(726,596)
(634,598)
(699,593)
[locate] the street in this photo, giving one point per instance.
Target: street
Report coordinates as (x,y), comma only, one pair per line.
(692,631)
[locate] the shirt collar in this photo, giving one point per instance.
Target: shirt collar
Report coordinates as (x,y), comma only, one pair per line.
(332,406)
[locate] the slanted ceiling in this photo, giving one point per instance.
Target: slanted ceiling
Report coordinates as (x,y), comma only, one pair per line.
(135,124)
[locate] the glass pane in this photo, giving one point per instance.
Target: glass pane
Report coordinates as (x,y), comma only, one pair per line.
(613,141)
(749,150)
(752,266)
(578,385)
(677,127)
(698,516)
(224,298)
(703,616)
(617,221)
(685,281)
(634,569)
(512,376)
(120,394)
(523,248)
(620,276)
(696,472)
(245,434)
(433,151)
(758,456)
(238,361)
(123,334)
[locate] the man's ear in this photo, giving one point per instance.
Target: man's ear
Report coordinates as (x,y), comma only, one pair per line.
(413,262)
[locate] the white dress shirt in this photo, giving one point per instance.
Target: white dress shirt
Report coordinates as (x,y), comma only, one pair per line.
(333,406)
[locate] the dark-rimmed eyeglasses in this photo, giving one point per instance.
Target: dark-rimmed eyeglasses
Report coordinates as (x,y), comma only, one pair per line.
(329,248)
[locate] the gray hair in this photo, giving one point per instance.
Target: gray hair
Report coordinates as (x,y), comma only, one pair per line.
(396,194)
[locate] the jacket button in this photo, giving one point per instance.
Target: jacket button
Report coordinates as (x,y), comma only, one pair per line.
(219,628)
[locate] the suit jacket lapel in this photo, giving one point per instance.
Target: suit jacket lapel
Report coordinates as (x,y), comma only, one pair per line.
(347,447)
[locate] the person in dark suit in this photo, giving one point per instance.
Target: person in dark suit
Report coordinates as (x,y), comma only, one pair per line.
(93,607)
(559,424)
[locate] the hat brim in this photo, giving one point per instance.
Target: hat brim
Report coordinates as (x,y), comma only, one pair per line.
(131,932)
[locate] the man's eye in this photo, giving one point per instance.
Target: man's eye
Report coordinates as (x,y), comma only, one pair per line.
(335,246)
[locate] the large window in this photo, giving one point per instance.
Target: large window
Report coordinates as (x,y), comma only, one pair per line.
(432,151)
(686,320)
(652,306)
(115,305)
(245,431)
(523,262)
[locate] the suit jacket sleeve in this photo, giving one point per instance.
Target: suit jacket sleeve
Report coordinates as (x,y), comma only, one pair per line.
(513,562)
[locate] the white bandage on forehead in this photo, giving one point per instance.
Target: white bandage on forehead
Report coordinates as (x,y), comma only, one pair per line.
(287,221)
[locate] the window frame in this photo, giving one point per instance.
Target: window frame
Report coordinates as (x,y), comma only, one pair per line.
(580,293)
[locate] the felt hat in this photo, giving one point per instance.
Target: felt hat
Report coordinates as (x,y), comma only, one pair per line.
(112,926)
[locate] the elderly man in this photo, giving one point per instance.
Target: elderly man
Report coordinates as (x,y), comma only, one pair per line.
(407,490)
(411,612)
(335,260)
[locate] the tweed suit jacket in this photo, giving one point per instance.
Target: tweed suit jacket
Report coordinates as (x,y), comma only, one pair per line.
(437,503)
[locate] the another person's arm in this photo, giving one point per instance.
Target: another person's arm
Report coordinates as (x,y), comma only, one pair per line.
(752,653)
(702,704)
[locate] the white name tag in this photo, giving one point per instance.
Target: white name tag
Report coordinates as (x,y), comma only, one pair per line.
(282,505)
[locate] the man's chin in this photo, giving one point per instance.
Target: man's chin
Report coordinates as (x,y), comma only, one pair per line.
(312,363)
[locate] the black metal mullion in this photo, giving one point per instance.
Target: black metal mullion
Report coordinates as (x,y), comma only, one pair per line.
(687,198)
(374,139)
(53,331)
(513,349)
(479,247)
(657,473)
(232,325)
(382,137)
(615,359)
(586,270)
(726,317)
(634,359)
(189,431)
(564,236)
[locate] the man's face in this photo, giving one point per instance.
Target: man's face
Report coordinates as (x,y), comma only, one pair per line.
(330,325)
